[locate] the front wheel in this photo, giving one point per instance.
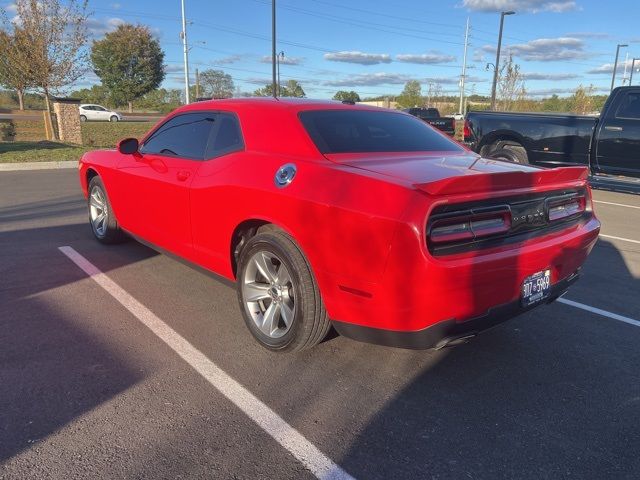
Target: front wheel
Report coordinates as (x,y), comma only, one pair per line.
(83,118)
(114,118)
(278,295)
(101,218)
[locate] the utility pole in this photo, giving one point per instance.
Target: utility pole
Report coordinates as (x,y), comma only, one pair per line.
(497,65)
(185,49)
(464,67)
(197,84)
(273,49)
(633,65)
(615,65)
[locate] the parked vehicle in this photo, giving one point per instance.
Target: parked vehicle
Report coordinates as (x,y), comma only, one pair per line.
(98,113)
(608,144)
(433,118)
(362,218)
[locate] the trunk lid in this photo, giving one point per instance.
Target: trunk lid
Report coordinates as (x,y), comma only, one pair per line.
(447,173)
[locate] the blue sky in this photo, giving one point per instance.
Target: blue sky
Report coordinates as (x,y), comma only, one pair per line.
(374,47)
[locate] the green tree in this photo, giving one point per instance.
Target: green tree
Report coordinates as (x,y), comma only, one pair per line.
(50,38)
(95,94)
(350,96)
(216,84)
(411,95)
(128,61)
(291,89)
(14,74)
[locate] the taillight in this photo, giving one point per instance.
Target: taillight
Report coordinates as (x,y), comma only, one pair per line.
(469,225)
(566,206)
(467,130)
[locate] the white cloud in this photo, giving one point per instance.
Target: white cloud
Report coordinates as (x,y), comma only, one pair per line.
(98,28)
(531,6)
(370,79)
(608,67)
(283,60)
(227,60)
(430,58)
(561,91)
(550,76)
(360,58)
(545,49)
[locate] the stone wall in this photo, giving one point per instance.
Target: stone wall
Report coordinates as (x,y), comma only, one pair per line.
(68,120)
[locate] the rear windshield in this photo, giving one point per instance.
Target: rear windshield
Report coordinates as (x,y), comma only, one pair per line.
(361,131)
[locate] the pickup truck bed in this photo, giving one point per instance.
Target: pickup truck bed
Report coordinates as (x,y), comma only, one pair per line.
(609,144)
(433,118)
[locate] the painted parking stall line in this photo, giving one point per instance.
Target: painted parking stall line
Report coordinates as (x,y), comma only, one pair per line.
(611,237)
(599,311)
(287,436)
(616,204)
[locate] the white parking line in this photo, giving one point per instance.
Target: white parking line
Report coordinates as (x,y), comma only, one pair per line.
(620,238)
(617,204)
(287,436)
(599,311)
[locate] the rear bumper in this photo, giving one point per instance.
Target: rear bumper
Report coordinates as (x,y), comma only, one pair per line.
(448,331)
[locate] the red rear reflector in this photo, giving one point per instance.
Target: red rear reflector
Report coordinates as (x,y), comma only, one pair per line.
(466,130)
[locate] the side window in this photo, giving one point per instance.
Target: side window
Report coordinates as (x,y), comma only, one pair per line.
(629,107)
(185,135)
(226,136)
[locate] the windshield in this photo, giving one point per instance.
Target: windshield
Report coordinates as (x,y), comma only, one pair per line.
(362,131)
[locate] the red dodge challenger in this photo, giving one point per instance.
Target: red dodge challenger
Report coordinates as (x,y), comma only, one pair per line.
(333,214)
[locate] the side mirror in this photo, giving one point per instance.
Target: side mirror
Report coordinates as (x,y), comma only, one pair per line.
(128,146)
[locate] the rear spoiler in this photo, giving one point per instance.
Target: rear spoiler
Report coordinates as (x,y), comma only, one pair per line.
(483,182)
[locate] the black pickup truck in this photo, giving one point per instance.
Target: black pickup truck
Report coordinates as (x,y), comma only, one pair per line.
(433,118)
(609,144)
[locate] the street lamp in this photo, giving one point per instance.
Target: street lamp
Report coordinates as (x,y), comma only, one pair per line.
(615,64)
(185,51)
(278,57)
(633,64)
(495,71)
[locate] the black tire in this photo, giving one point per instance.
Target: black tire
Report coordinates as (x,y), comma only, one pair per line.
(310,323)
(114,118)
(515,154)
(110,232)
(83,118)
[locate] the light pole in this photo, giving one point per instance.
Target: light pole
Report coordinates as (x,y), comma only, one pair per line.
(495,71)
(185,50)
(615,64)
(273,48)
(280,55)
(633,64)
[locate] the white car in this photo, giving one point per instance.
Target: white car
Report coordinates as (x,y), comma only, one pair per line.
(98,113)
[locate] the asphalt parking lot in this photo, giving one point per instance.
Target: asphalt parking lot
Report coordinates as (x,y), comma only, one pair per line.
(89,390)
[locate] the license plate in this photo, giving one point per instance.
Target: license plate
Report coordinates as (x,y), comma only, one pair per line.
(536,288)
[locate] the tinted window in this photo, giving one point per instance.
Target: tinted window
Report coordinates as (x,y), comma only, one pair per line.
(226,136)
(355,131)
(629,107)
(185,135)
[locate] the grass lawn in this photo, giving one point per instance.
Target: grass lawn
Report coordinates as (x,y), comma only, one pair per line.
(94,135)
(11,152)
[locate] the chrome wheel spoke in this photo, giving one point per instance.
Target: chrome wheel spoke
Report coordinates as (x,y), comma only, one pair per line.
(255,291)
(286,313)
(264,266)
(283,278)
(270,319)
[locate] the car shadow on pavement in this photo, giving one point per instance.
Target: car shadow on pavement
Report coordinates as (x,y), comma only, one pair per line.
(554,393)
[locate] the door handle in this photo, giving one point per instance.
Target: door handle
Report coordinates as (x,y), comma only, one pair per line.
(613,129)
(182,175)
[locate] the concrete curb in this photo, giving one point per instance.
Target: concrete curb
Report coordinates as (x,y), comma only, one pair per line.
(9,167)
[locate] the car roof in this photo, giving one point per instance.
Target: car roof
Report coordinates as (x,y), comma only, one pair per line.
(282,103)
